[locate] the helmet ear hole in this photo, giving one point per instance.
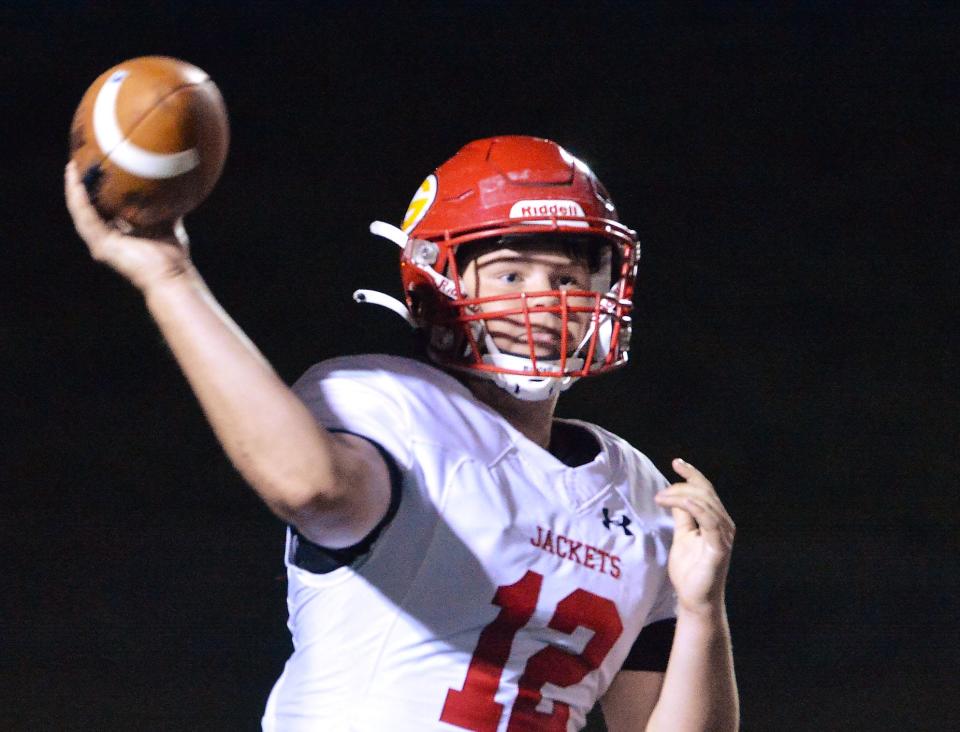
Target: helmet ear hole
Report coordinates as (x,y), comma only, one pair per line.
(415,302)
(423,303)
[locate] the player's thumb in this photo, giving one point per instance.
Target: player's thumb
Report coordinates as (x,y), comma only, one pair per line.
(683,520)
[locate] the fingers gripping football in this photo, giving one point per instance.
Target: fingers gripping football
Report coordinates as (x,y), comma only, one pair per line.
(703,539)
(142,259)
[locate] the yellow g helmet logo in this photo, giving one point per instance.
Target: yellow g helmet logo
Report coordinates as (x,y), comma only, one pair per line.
(422,201)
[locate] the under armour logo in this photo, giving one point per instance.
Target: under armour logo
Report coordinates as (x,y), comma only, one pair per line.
(622,523)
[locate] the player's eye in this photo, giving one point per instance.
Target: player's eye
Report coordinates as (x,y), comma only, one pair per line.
(568,281)
(509,278)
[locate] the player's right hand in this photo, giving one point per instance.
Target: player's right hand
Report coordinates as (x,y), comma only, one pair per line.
(144,259)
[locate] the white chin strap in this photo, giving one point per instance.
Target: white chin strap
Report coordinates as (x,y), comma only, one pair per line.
(526,388)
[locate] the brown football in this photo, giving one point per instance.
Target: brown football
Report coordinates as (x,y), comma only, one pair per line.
(150,138)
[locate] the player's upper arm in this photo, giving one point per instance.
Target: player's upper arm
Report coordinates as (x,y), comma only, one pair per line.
(630,700)
(360,407)
(344,516)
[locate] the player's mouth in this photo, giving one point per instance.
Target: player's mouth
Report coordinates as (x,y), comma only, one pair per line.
(540,336)
(545,341)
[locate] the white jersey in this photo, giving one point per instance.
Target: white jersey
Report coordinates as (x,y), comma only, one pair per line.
(503,595)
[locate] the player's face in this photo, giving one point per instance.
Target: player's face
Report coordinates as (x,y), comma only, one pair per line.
(531,267)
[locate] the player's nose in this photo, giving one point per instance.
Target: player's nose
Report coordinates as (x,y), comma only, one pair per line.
(539,280)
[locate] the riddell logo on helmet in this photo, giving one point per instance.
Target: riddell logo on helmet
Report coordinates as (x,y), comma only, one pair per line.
(554,208)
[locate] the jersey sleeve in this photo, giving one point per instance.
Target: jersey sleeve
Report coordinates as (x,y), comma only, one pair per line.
(365,402)
(651,650)
(665,607)
(318,559)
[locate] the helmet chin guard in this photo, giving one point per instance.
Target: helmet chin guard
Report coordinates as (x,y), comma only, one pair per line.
(526,388)
(510,189)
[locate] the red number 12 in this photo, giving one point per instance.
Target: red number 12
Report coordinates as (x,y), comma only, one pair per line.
(473,707)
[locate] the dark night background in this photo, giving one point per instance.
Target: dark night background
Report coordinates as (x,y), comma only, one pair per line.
(792,173)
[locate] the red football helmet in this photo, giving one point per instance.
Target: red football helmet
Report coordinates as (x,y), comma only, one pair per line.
(509,189)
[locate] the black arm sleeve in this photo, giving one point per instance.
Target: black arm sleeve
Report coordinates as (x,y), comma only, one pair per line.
(651,650)
(321,560)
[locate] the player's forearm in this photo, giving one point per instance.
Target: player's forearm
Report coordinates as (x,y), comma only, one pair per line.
(699,691)
(267,432)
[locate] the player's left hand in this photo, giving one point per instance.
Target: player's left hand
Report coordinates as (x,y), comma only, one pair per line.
(702,540)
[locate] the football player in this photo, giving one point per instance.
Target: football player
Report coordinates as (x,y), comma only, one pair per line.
(458,558)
